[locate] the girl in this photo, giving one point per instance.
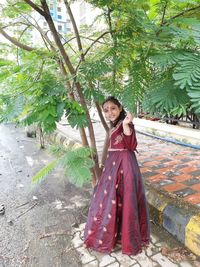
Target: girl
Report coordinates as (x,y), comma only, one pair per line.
(118,211)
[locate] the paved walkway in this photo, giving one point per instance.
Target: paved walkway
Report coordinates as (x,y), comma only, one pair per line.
(181,133)
(172,168)
(156,255)
(168,167)
(172,177)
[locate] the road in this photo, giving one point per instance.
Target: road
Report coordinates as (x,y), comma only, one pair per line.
(41,224)
(36,227)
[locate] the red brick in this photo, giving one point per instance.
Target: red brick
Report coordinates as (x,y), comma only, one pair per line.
(193,199)
(173,187)
(163,170)
(179,157)
(145,169)
(182,177)
(188,169)
(173,162)
(150,163)
(159,158)
(196,187)
(156,177)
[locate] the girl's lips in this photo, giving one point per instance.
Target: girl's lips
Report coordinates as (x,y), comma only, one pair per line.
(113,119)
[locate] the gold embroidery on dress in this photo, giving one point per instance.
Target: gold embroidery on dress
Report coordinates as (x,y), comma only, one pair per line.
(118,139)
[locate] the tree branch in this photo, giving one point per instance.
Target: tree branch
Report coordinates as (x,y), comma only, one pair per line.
(114,72)
(164,12)
(101,117)
(14,41)
(17,23)
(78,39)
(28,26)
(34,6)
(56,37)
(44,36)
(84,37)
(181,14)
(108,16)
(36,26)
(82,55)
(32,84)
(93,43)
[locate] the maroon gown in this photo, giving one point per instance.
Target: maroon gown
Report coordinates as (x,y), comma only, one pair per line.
(118,211)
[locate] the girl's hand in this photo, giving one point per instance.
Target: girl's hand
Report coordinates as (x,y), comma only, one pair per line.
(128,119)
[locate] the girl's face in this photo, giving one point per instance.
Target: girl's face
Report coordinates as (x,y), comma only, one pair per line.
(111,111)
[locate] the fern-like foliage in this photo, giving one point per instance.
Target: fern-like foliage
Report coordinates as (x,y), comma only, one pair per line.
(33,93)
(166,98)
(135,85)
(182,69)
(188,70)
(164,61)
(11,108)
(76,162)
(187,76)
(75,114)
(45,171)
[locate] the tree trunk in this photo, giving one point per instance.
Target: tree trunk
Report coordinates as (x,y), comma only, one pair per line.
(77,84)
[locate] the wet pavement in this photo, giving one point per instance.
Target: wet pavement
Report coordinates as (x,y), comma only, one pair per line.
(43,224)
(36,228)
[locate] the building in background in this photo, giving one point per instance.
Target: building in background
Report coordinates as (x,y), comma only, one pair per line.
(60,17)
(84,13)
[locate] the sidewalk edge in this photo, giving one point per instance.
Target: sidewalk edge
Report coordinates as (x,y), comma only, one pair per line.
(182,224)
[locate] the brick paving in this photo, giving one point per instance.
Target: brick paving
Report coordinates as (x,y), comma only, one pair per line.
(170,168)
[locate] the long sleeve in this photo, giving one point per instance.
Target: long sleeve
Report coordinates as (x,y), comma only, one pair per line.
(130,141)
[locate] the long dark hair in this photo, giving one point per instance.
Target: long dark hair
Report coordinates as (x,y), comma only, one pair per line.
(122,114)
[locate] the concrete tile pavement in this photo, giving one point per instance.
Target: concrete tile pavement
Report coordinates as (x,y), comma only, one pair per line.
(150,257)
(172,179)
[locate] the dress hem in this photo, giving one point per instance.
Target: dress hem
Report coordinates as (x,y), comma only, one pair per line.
(143,246)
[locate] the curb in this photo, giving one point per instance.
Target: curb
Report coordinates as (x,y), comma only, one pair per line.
(182,223)
(60,139)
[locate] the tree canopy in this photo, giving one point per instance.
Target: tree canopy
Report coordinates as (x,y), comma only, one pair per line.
(145,50)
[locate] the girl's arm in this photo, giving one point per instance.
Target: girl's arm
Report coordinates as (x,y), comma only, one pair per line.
(129,132)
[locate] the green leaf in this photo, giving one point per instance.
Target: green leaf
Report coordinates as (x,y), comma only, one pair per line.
(166,98)
(188,70)
(45,171)
(77,164)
